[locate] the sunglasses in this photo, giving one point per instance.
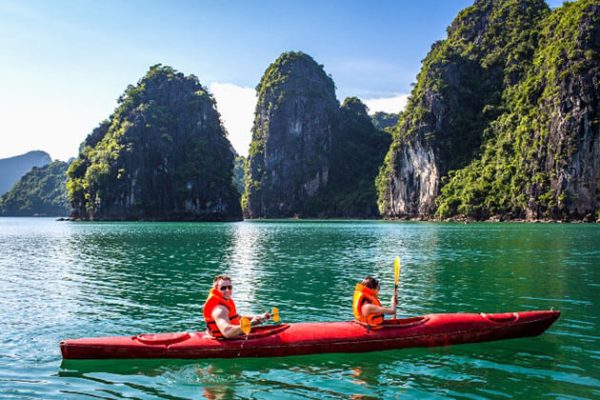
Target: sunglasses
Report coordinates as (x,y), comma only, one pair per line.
(226,287)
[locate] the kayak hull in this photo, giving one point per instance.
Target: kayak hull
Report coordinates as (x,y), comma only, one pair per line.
(319,337)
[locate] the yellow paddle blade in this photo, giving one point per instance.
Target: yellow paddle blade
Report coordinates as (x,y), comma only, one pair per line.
(397,270)
(275,312)
(246,325)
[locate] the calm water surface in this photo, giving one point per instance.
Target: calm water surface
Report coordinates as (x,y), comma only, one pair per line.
(66,280)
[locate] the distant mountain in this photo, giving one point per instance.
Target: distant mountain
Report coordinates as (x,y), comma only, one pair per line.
(358,149)
(13,168)
(42,191)
(385,121)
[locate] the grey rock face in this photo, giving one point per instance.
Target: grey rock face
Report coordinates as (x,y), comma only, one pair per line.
(414,185)
(295,118)
(455,99)
(572,146)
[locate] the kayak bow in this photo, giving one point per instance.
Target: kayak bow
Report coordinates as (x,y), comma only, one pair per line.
(319,337)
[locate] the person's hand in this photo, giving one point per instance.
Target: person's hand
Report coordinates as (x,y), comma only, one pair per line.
(393,303)
(258,319)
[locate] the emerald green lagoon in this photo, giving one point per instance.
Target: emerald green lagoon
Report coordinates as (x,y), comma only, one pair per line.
(68,280)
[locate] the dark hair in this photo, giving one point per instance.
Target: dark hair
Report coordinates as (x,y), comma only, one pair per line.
(370,283)
(222,277)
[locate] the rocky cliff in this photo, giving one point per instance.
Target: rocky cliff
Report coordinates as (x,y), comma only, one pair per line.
(296,115)
(40,192)
(543,156)
(162,155)
(238,173)
(501,119)
(357,151)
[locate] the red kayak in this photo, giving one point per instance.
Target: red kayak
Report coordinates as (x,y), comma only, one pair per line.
(318,337)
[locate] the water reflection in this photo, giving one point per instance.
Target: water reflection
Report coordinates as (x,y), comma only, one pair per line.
(329,376)
(244,264)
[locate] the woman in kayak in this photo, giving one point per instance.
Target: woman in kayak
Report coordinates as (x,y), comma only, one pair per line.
(366,305)
(220,314)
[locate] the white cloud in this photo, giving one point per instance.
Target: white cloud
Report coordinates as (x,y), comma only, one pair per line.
(236,105)
(387,104)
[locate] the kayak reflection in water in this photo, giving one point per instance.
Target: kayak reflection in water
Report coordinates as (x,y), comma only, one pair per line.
(220,314)
(366,305)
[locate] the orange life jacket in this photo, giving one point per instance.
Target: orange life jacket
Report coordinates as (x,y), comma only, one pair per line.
(215,298)
(363,294)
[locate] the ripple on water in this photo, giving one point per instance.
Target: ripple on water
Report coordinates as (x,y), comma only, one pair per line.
(64,280)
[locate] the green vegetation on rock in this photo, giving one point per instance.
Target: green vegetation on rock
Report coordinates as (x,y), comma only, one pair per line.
(539,160)
(162,155)
(40,192)
(385,121)
(238,173)
(358,149)
(13,168)
(309,157)
(501,116)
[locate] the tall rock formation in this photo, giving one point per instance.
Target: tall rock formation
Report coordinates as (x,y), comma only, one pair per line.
(460,91)
(162,155)
(296,115)
(543,156)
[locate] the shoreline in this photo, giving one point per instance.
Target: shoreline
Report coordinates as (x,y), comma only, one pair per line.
(463,220)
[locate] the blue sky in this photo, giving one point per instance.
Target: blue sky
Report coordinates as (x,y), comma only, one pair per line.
(63,64)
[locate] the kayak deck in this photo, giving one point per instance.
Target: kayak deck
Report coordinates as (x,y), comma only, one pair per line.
(319,337)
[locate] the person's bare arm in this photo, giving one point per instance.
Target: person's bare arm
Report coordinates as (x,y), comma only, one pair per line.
(221,316)
(369,308)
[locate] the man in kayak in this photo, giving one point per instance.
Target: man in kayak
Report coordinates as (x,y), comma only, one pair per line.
(366,305)
(220,314)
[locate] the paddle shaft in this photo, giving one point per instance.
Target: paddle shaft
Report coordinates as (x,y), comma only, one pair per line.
(395,297)
(396,281)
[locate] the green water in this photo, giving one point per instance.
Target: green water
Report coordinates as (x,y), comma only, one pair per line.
(67,280)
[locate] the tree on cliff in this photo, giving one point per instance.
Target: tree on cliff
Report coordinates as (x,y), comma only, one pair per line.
(162,155)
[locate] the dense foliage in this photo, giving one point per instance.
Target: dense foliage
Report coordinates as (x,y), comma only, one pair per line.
(505,104)
(162,154)
(522,162)
(42,191)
